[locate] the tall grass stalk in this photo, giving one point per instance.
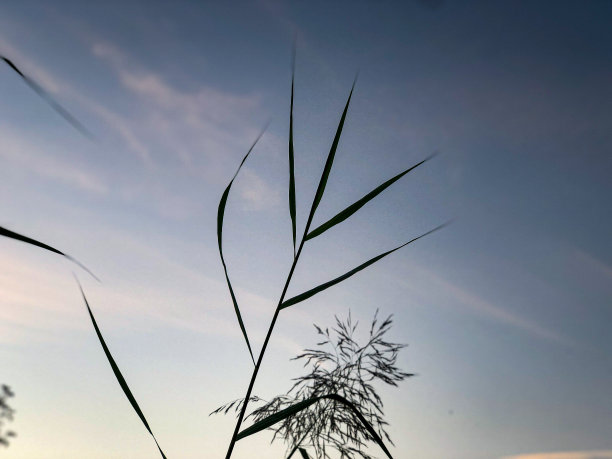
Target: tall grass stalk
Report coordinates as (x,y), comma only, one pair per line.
(282,303)
(307,235)
(342,365)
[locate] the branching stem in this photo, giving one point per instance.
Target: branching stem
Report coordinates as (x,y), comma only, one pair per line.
(272,324)
(297,445)
(265,344)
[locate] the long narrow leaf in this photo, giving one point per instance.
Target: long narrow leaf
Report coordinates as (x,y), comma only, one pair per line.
(293,409)
(28,240)
(326,285)
(291,160)
(330,158)
(350,210)
(42,93)
(220,214)
(303,453)
(118,375)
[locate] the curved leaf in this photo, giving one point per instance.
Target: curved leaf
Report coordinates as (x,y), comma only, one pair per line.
(28,240)
(117,372)
(326,285)
(42,93)
(220,214)
(291,160)
(350,210)
(330,159)
(293,409)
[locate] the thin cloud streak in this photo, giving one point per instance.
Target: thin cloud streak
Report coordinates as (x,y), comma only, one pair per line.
(593,264)
(483,308)
(35,300)
(38,296)
(16,150)
(186,123)
(50,83)
(256,193)
(54,86)
(47,98)
(166,122)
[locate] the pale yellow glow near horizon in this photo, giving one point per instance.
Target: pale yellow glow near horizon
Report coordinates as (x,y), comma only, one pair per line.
(602,454)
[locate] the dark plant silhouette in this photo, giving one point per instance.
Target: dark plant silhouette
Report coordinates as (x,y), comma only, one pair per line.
(50,100)
(6,414)
(299,244)
(341,365)
(28,240)
(357,411)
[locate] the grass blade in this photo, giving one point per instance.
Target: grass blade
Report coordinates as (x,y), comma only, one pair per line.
(330,159)
(276,417)
(19,237)
(291,160)
(220,214)
(350,210)
(293,409)
(303,453)
(326,285)
(42,93)
(118,375)
(28,240)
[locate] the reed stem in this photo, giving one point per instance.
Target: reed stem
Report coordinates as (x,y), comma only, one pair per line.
(272,324)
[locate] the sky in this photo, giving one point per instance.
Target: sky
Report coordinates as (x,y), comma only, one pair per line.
(506,312)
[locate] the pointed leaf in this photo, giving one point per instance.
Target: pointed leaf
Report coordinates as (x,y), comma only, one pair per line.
(350,210)
(117,372)
(276,417)
(303,453)
(326,285)
(293,409)
(220,214)
(28,240)
(291,161)
(42,93)
(330,159)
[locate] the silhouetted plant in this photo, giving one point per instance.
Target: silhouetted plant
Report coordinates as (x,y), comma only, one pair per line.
(50,100)
(6,414)
(339,365)
(298,245)
(283,413)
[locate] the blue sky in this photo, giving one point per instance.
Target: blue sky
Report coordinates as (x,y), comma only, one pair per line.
(506,311)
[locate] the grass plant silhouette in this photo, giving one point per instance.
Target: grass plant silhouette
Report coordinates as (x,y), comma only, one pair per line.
(308,234)
(341,365)
(283,303)
(50,100)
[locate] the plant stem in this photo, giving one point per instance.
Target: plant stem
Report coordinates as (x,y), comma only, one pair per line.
(263,349)
(313,208)
(272,324)
(297,445)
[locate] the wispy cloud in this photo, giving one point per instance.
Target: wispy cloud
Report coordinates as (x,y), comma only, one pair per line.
(120,124)
(15,149)
(187,124)
(200,132)
(475,304)
(256,192)
(592,263)
(49,83)
(60,87)
(197,134)
(601,454)
(35,298)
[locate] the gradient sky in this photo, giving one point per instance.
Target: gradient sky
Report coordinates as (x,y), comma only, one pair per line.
(507,311)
